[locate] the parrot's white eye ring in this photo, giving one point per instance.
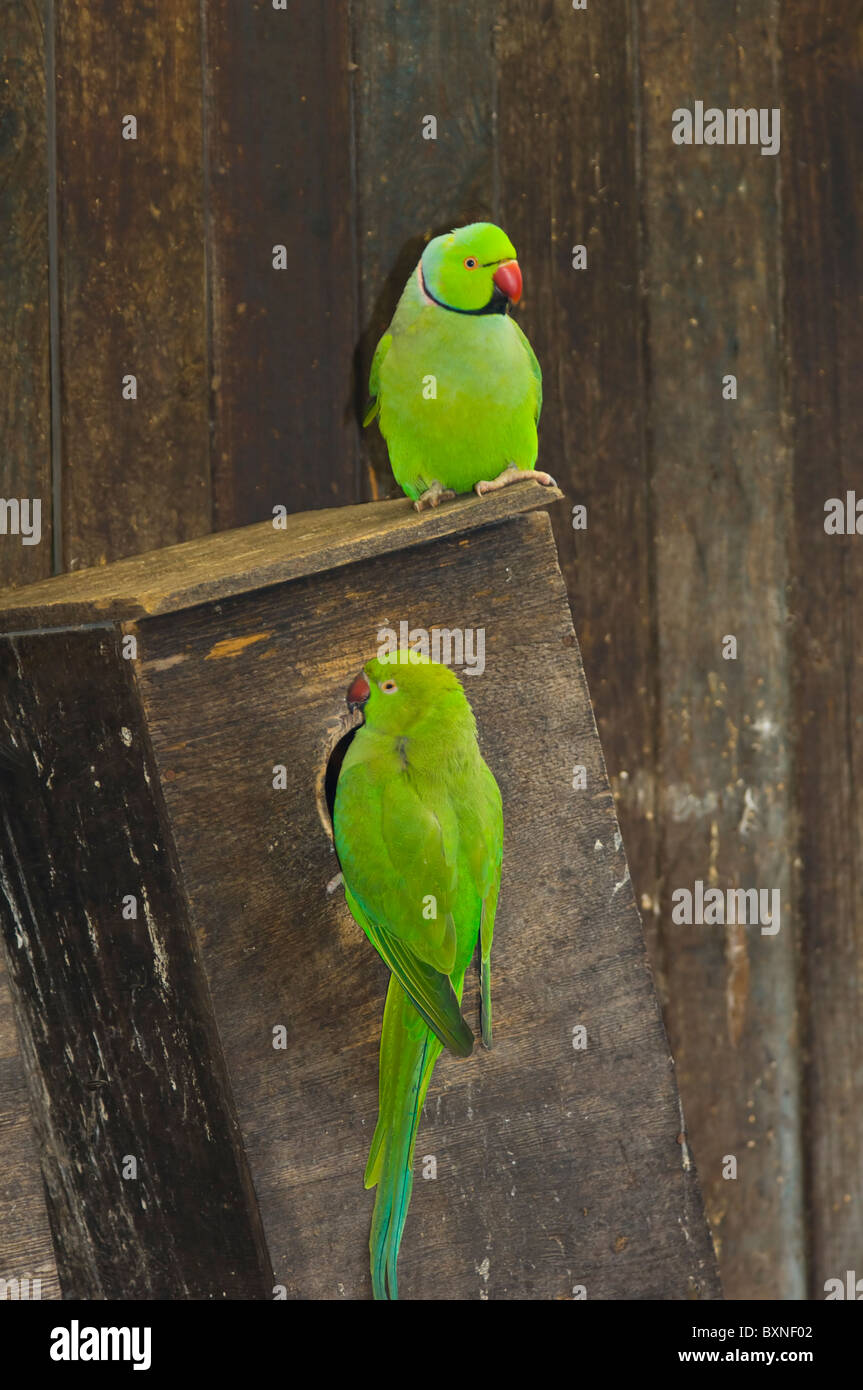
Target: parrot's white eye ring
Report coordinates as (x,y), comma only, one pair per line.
(389,687)
(470,263)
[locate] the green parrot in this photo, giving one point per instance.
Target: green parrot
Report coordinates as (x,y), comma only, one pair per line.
(457,389)
(418,827)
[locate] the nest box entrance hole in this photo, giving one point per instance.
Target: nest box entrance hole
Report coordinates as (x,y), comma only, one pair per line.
(334,756)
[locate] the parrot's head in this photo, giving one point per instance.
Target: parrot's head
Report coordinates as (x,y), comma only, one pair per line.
(472,270)
(405,693)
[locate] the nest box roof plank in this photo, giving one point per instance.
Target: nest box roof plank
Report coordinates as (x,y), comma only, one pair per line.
(253,557)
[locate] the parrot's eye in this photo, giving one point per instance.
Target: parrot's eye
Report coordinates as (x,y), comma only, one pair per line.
(389,687)
(470,263)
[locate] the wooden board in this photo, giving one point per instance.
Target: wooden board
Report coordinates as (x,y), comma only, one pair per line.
(135,472)
(26,1250)
(279,172)
(720,480)
(25,403)
(122,1057)
(415,60)
(25,472)
(822,197)
(556,1168)
(253,557)
(569,176)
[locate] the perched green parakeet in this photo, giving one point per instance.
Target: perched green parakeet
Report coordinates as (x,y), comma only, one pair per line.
(418,827)
(456,384)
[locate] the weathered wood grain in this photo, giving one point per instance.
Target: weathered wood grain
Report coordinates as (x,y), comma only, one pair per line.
(567,96)
(25,472)
(26,1250)
(556,1168)
(279,169)
(253,557)
(135,472)
(122,1057)
(25,402)
(822,199)
(720,478)
(415,61)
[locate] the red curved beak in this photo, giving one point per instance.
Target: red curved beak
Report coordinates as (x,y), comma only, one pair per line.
(358,692)
(507,277)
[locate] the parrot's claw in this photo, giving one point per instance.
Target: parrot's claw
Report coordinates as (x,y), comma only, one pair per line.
(513,475)
(335,883)
(433,496)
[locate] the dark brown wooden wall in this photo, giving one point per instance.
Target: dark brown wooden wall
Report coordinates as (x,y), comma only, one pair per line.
(302,127)
(25,471)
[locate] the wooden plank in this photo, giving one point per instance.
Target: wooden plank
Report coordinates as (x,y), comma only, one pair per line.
(253,557)
(279,168)
(123,1059)
(569,176)
(721,473)
(555,1168)
(415,61)
(25,389)
(135,472)
(26,1251)
(822,198)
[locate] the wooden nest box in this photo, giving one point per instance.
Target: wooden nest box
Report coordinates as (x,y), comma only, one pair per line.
(200,1018)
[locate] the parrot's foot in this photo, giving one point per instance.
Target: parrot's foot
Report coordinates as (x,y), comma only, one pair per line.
(335,883)
(513,475)
(432,496)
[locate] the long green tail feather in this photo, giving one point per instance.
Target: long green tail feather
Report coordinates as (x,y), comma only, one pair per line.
(485,936)
(409,1050)
(485,978)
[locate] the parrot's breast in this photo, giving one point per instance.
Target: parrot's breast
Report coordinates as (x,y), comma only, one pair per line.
(402,833)
(458,400)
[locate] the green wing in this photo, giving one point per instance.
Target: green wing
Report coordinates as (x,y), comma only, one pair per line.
(429,991)
(395,859)
(534,367)
(485,838)
(381,351)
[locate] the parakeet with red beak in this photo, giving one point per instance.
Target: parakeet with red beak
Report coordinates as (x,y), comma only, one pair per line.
(457,388)
(418,828)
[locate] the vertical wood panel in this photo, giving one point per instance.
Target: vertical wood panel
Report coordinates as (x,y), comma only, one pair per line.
(25,471)
(416,60)
(823,202)
(721,480)
(122,1051)
(279,168)
(26,1248)
(569,176)
(135,473)
(25,406)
